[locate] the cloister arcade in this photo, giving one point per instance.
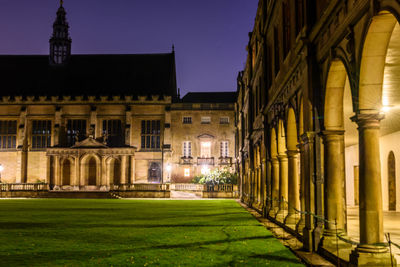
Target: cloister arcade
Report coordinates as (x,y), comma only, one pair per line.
(350,140)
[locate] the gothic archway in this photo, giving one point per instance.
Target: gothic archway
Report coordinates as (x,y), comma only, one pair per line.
(67,172)
(92,169)
(114,171)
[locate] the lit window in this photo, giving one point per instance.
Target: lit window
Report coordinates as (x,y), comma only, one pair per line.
(205,120)
(205,149)
(224,120)
(224,149)
(187,120)
(187,149)
(187,172)
(41,133)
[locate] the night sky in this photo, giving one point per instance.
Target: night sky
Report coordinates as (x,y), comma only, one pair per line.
(210,36)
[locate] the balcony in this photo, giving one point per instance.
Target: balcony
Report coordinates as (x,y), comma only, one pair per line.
(225,161)
(186,161)
(205,161)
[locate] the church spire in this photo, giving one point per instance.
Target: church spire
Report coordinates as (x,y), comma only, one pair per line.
(60,42)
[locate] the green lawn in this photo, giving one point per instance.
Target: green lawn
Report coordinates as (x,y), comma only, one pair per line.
(61,232)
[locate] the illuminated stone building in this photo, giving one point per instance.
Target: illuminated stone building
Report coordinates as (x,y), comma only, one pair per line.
(104,122)
(203,134)
(318,121)
(84,122)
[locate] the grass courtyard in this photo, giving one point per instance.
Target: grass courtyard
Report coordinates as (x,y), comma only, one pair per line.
(63,232)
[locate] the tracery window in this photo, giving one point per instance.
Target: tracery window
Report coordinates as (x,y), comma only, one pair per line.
(150,134)
(41,133)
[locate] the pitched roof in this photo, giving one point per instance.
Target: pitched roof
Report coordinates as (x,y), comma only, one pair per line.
(209,97)
(113,74)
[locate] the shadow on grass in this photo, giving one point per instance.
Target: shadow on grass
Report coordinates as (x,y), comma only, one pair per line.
(42,257)
(28,225)
(275,257)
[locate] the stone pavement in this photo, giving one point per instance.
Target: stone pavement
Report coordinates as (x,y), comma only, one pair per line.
(288,240)
(391,224)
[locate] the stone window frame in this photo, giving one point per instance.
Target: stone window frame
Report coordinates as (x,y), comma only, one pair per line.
(205,119)
(41,132)
(224,149)
(8,134)
(224,120)
(187,120)
(150,134)
(187,149)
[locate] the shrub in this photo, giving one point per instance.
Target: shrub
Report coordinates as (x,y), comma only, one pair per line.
(216,176)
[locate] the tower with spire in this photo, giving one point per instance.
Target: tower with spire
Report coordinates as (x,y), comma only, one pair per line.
(60,42)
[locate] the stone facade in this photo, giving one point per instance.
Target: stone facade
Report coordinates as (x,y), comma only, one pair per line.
(317,105)
(202,135)
(104,122)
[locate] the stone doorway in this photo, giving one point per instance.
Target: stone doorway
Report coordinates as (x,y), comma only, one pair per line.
(154,173)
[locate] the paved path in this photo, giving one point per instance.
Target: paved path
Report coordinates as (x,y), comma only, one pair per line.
(184,195)
(391,224)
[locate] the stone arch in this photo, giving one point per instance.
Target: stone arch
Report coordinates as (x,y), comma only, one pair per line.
(114,170)
(281,138)
(334,92)
(291,133)
(373,61)
(274,146)
(90,169)
(67,171)
(392,180)
(338,108)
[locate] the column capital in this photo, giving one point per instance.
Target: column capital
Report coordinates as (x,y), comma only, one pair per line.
(332,135)
(368,120)
(307,137)
(292,153)
(282,157)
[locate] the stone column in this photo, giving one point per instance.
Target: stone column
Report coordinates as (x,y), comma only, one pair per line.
(274,188)
(133,170)
(57,173)
(268,184)
(283,187)
(301,223)
(371,215)
(334,190)
(77,180)
(293,189)
(309,189)
(123,169)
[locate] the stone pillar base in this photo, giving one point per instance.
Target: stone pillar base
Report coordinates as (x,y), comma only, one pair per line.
(307,239)
(281,215)
(330,242)
(272,212)
(56,188)
(369,255)
(300,225)
(292,219)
